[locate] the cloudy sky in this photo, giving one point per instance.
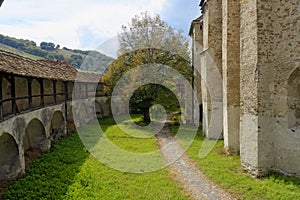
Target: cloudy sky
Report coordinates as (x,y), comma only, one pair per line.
(86,24)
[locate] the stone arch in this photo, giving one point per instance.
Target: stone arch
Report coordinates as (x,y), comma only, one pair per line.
(35,141)
(57,125)
(293,99)
(98,109)
(10,165)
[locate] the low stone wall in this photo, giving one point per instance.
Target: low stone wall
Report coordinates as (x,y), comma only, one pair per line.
(37,129)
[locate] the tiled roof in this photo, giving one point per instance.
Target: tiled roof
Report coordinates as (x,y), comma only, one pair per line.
(48,69)
(88,77)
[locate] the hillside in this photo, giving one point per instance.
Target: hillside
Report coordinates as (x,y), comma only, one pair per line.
(93,61)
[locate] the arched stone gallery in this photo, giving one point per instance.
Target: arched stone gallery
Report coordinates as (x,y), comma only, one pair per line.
(37,108)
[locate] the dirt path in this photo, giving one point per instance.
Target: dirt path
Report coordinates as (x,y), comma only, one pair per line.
(186,172)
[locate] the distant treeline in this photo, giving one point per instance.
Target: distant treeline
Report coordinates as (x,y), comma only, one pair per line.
(85,60)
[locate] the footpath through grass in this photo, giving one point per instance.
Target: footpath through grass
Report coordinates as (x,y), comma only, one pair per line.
(226,171)
(68,171)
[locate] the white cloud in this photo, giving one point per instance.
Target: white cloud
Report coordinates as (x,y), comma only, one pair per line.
(67,22)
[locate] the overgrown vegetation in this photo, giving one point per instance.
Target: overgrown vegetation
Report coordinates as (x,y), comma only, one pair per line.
(85,60)
(68,171)
(226,171)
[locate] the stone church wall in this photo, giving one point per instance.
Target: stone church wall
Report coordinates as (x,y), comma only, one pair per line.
(255,45)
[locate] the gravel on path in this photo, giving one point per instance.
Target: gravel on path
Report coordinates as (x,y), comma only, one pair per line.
(185,171)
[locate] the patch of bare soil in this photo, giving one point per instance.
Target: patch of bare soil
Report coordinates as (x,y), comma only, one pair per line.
(32,154)
(3,188)
(71,126)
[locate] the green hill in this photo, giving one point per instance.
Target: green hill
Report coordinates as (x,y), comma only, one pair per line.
(93,61)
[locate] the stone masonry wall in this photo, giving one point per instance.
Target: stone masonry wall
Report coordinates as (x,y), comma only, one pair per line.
(254,46)
(248,85)
(279,23)
(269,54)
(212,73)
(198,48)
(196,34)
(231,74)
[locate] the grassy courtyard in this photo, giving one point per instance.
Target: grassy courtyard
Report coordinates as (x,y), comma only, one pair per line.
(68,171)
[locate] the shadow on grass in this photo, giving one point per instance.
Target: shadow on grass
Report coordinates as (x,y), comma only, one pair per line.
(68,171)
(280,178)
(91,134)
(50,176)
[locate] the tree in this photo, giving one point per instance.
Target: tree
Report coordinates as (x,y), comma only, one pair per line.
(148,40)
(145,31)
(49,46)
(147,95)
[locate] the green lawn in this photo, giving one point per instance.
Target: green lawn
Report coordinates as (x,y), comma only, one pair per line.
(68,171)
(226,171)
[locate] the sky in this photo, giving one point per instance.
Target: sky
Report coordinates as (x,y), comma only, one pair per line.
(89,24)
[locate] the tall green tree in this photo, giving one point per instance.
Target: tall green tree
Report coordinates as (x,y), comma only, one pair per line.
(145,31)
(148,40)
